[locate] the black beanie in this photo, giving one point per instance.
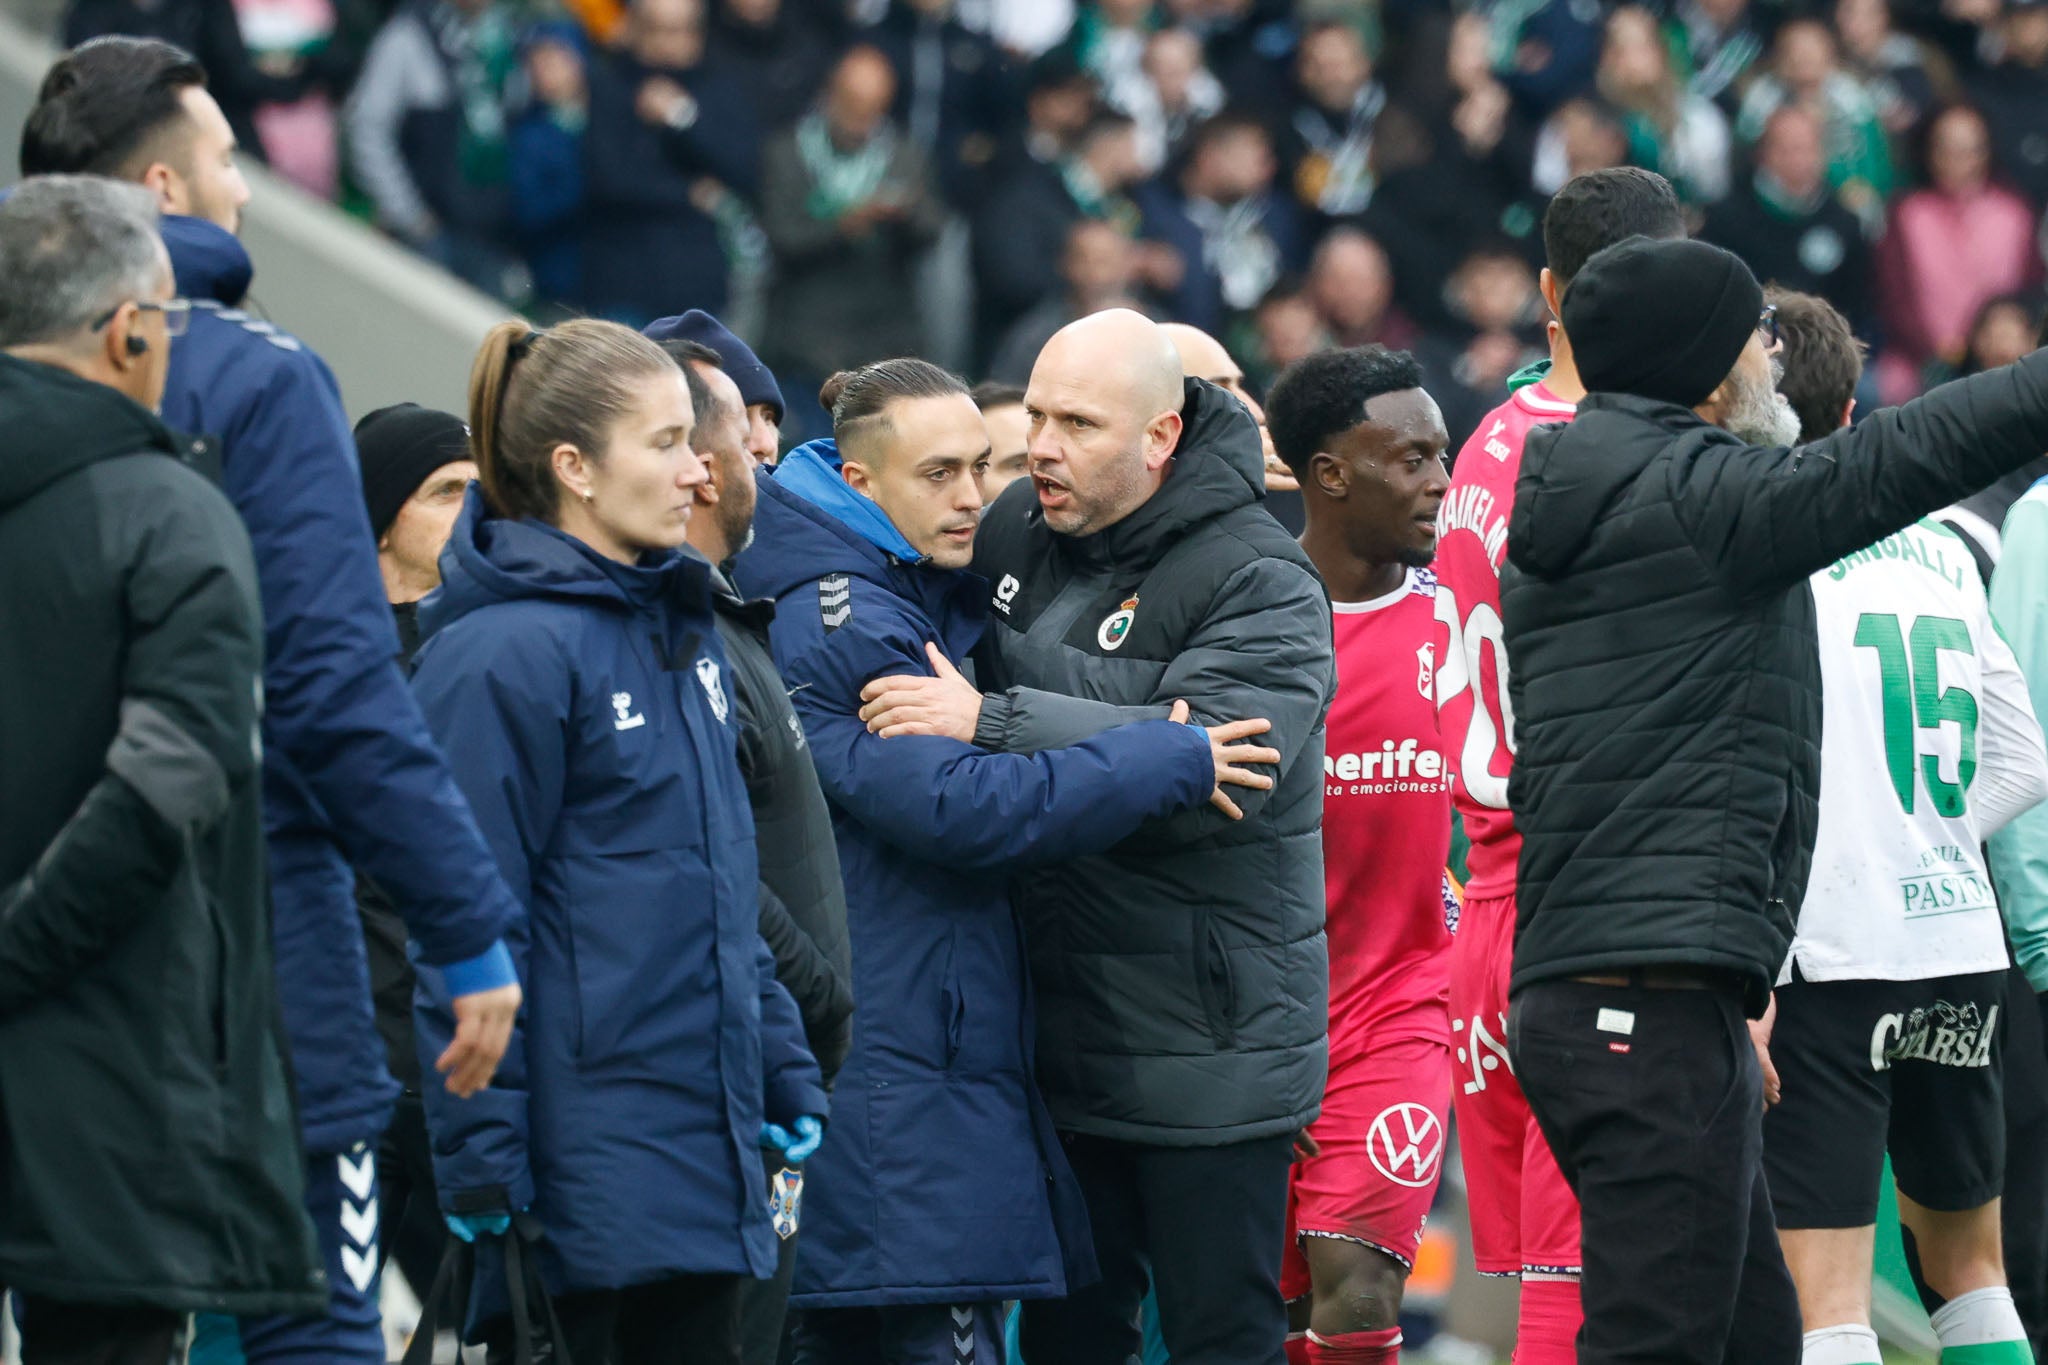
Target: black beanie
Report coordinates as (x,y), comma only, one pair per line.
(398,447)
(1665,320)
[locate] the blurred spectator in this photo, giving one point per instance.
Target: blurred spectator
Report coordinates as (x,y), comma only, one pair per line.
(286,40)
(1285,327)
(847,203)
(1028,28)
(2013,93)
(1716,43)
(1583,135)
(671,141)
(2005,329)
(1544,51)
(1493,301)
(1806,69)
(1351,284)
(546,149)
(1009,434)
(957,92)
(1179,94)
(426,135)
(1953,245)
(1059,101)
(773,53)
(1790,228)
(1098,269)
(1672,129)
(1327,142)
(1022,230)
(1222,215)
(210,31)
(1903,73)
(1109,39)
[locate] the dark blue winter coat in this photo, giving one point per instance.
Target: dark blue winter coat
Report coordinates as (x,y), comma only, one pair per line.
(942,1180)
(350,775)
(586,711)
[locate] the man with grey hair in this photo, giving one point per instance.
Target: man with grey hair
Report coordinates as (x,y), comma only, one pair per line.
(147,1137)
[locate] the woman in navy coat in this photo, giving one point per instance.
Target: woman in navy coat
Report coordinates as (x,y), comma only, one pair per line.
(573,673)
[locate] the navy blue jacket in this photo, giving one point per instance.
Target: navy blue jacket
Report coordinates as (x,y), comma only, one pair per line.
(349,773)
(587,713)
(942,1181)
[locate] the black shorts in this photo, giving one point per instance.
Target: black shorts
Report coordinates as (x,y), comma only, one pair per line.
(1909,1067)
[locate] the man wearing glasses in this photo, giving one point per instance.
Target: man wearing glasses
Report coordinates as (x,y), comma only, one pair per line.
(351,776)
(147,1141)
(1666,690)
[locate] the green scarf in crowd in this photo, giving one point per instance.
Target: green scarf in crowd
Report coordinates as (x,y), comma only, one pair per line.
(841,181)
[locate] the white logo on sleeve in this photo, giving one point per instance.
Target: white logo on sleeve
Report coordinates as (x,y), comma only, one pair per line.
(714,688)
(1406,1144)
(1006,593)
(622,702)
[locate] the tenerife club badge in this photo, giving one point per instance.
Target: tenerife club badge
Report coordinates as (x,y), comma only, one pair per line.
(1117,625)
(785,1201)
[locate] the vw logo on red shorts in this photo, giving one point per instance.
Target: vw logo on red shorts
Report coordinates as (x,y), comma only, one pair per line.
(1406,1143)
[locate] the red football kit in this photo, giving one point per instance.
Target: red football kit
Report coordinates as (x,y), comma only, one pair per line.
(1386,833)
(1524,1218)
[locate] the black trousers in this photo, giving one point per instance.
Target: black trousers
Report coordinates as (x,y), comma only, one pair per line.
(2024,1211)
(1652,1101)
(902,1334)
(764,1304)
(1205,1225)
(691,1320)
(410,1230)
(54,1333)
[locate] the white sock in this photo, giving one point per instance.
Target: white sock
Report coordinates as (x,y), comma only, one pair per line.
(1851,1343)
(1979,1318)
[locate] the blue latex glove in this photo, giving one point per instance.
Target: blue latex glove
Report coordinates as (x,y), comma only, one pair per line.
(810,1132)
(470,1226)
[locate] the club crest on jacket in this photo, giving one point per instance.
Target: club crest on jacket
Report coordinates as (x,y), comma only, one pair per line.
(1116,627)
(714,688)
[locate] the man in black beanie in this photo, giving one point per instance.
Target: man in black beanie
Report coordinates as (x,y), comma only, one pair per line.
(1666,695)
(415,465)
(756,381)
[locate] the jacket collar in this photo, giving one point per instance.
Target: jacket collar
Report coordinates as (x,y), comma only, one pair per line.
(209,261)
(811,472)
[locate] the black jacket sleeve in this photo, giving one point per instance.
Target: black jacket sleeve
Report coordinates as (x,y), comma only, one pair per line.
(186,739)
(822,996)
(1763,520)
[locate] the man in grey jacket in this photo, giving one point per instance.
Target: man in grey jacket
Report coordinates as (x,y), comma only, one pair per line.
(1181,976)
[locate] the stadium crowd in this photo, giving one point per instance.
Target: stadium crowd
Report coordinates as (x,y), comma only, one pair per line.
(688,878)
(1282,175)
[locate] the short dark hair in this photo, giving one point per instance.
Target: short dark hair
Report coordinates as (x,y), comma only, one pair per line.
(1229,122)
(683,351)
(859,400)
(1600,208)
(994,393)
(1324,395)
(104,104)
(1823,360)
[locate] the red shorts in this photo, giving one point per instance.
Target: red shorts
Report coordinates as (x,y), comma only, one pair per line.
(1524,1217)
(1382,1133)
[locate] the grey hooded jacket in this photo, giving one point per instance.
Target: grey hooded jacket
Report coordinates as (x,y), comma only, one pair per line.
(1182,976)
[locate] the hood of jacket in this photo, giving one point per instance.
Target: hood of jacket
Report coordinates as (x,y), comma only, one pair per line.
(57,423)
(209,261)
(492,559)
(1572,473)
(809,525)
(1218,467)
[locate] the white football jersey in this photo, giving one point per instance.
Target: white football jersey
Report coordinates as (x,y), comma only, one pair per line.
(1929,744)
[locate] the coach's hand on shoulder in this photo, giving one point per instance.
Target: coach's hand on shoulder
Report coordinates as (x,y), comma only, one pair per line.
(908,704)
(1234,761)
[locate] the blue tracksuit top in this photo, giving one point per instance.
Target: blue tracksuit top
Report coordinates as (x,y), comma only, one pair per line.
(349,773)
(942,1180)
(587,713)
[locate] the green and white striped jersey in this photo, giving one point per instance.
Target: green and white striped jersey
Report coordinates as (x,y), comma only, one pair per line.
(1929,745)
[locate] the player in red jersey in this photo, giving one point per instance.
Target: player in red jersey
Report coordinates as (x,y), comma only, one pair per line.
(1525,1221)
(1367,445)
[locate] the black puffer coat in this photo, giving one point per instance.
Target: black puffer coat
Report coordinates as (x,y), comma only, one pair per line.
(1666,680)
(1182,976)
(149,1147)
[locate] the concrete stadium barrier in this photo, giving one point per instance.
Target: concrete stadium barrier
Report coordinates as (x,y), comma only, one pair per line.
(394,328)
